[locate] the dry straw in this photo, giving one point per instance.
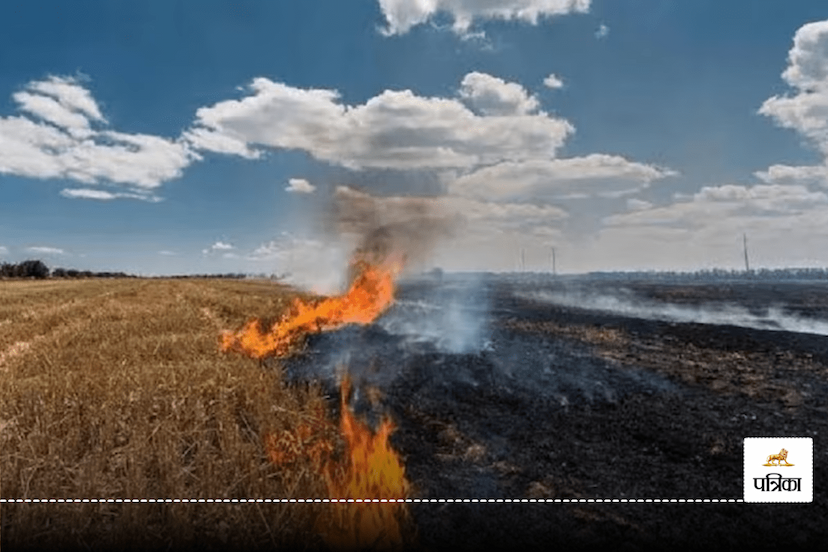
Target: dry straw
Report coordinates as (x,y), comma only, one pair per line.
(117,389)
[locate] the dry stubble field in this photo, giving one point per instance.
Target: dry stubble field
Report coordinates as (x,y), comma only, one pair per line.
(117,389)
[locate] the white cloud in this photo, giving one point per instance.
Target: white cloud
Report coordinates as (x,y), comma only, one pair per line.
(300,185)
(402,15)
(394,130)
(786,226)
(786,174)
(52,111)
(707,208)
(808,59)
(502,214)
(553,82)
(493,96)
(70,94)
(45,250)
(602,31)
(167,253)
(282,248)
(103,195)
(806,110)
(638,204)
(591,175)
(58,139)
(218,246)
(4,250)
(766,197)
(226,142)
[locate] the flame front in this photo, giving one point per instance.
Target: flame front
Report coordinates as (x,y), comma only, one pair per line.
(370,293)
(371,469)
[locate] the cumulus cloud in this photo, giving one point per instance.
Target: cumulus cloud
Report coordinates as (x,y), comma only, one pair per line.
(765,197)
(553,82)
(218,246)
(493,96)
(785,223)
(42,250)
(806,109)
(4,250)
(773,205)
(787,174)
(602,31)
(226,142)
(782,215)
(300,185)
(402,15)
(591,175)
(394,130)
(59,135)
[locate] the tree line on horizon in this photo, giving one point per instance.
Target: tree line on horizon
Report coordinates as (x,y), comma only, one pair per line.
(793,273)
(37,270)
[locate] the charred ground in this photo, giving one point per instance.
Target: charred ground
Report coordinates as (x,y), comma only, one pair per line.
(565,402)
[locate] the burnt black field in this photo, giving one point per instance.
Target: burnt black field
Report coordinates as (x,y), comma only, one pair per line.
(537,387)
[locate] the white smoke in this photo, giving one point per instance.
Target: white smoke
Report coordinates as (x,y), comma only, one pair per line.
(454,318)
(770,318)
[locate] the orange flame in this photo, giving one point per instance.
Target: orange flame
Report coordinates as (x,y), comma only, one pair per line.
(370,293)
(371,469)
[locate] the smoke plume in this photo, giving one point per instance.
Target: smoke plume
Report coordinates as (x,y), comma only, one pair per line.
(769,318)
(407,226)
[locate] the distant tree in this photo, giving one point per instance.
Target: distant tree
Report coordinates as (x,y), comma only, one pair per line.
(32,269)
(59,273)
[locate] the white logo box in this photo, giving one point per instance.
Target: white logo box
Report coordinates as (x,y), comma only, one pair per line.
(779,483)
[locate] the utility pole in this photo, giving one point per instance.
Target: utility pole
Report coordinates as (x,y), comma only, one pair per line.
(747,264)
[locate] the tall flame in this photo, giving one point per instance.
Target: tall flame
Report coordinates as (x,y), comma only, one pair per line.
(370,293)
(371,469)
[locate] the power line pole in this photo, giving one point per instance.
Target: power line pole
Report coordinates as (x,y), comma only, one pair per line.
(747,264)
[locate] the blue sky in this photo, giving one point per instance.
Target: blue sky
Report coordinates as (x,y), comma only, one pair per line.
(162,137)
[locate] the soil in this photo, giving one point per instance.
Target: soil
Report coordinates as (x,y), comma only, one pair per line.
(565,402)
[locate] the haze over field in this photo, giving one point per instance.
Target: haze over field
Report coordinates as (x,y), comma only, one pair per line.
(162,138)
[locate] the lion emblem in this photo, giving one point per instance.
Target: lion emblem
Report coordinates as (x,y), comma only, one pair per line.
(778,458)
